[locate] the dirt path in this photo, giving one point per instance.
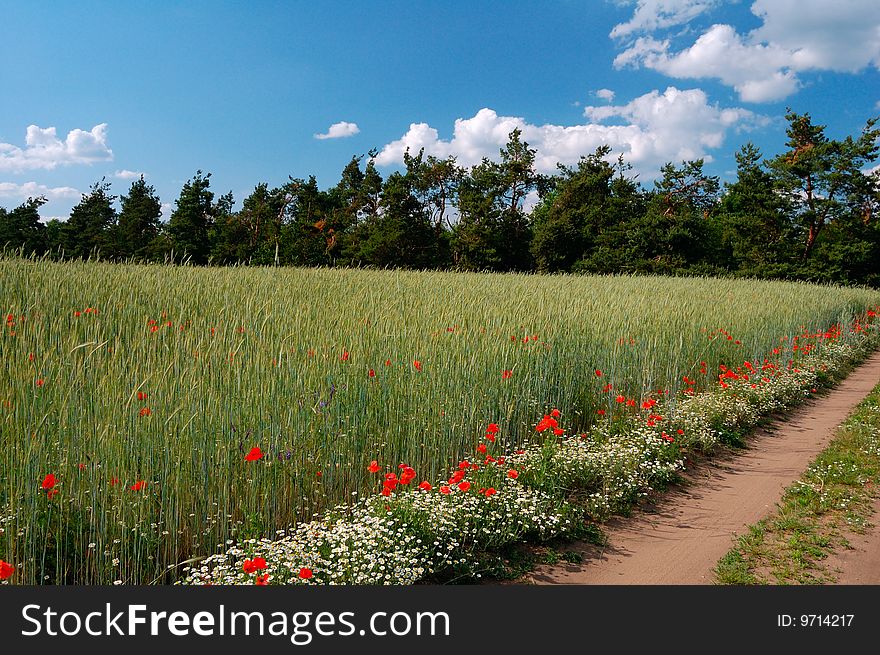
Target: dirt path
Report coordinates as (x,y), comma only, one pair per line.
(682,537)
(861,564)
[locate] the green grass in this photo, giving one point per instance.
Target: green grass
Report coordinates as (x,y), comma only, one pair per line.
(832,498)
(280,359)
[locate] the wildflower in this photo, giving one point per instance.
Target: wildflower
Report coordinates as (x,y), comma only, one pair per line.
(407,475)
(492,428)
(345,356)
(40,382)
(51,493)
(49,481)
(598,373)
(608,387)
(142,395)
(558,431)
(145,411)
(444,490)
(137,486)
(261,580)
(371,373)
(387,362)
(600,412)
(6,570)
(490,492)
(506,374)
(456,477)
(620,399)
(417,364)
(464,486)
(305,573)
(554,413)
(513,474)
(481,449)
(373,467)
(425,486)
(545,423)
(253,565)
(254,454)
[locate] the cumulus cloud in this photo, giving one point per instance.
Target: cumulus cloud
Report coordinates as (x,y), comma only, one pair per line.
(339,130)
(605,94)
(33,190)
(652,15)
(126,174)
(44,150)
(649,131)
(796,36)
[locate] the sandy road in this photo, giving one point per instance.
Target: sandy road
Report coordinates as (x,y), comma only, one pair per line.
(681,538)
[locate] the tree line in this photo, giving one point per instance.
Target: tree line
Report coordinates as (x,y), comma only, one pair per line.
(807,213)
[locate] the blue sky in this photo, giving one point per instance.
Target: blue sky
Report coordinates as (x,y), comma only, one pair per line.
(112,89)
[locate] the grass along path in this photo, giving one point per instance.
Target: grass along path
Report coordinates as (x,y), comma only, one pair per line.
(682,537)
(821,532)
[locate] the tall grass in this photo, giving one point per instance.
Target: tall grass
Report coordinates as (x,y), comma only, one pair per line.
(279,359)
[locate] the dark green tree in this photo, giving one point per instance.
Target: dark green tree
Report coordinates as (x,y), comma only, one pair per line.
(755,221)
(823,179)
(88,231)
(21,228)
(139,222)
(192,219)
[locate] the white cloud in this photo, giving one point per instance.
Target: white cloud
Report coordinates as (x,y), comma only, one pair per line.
(339,131)
(649,131)
(126,174)
(44,150)
(651,15)
(605,94)
(33,190)
(763,65)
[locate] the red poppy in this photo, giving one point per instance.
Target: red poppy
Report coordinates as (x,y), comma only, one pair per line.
(490,492)
(456,477)
(506,374)
(114,481)
(142,395)
(137,486)
(387,362)
(667,437)
(648,404)
(40,382)
(444,490)
(253,565)
(407,475)
(554,412)
(607,387)
(254,454)
(305,573)
(345,356)
(620,399)
(51,493)
(425,486)
(631,402)
(262,580)
(513,474)
(417,364)
(600,412)
(492,428)
(6,570)
(680,431)
(373,467)
(558,431)
(545,423)
(598,373)
(481,449)
(145,411)
(49,481)
(464,486)
(371,373)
